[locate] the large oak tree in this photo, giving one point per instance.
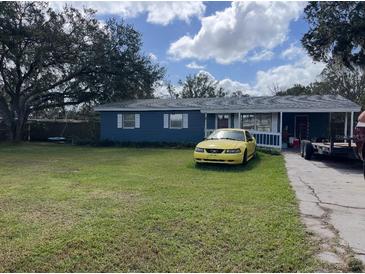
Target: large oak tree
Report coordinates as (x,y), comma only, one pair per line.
(336,36)
(336,32)
(53,59)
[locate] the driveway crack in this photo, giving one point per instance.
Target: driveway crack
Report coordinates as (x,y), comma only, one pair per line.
(326,203)
(344,206)
(327,211)
(311,189)
(325,220)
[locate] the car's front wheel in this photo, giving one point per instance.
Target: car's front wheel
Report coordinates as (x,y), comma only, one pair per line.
(244,158)
(254,154)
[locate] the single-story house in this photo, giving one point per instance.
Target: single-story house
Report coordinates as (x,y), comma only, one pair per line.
(271,119)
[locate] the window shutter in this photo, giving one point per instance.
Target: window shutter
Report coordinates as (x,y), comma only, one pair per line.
(119,120)
(166,121)
(137,121)
(185,120)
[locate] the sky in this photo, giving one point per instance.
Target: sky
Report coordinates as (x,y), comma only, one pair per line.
(247,46)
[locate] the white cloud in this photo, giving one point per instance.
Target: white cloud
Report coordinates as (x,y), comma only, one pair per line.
(161,91)
(264,55)
(229,35)
(227,84)
(194,65)
(231,86)
(293,52)
(153,57)
(161,13)
(301,72)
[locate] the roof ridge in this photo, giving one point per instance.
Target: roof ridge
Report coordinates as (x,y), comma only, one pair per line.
(265,103)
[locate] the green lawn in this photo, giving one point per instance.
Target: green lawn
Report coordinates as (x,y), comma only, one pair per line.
(66,208)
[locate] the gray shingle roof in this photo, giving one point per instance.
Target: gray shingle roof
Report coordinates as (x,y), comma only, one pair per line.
(315,103)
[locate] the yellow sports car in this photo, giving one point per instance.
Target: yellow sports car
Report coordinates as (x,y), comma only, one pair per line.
(228,146)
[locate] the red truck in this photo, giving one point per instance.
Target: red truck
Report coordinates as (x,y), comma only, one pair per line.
(352,148)
(359,138)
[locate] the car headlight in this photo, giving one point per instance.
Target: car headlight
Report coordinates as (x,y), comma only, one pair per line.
(235,150)
(199,149)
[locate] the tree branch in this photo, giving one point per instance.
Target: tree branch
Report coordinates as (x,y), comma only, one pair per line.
(8,88)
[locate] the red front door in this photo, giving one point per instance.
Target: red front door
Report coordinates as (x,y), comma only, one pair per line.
(301,127)
(223,121)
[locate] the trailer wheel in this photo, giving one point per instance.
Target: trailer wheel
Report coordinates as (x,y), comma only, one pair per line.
(308,151)
(302,146)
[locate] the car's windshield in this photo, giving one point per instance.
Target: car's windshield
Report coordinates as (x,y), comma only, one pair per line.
(227,134)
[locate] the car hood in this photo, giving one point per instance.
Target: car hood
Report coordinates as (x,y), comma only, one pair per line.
(222,144)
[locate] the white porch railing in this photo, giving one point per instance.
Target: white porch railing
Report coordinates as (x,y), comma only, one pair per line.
(263,138)
(267,139)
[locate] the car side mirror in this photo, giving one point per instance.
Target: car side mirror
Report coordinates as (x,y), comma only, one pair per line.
(250,139)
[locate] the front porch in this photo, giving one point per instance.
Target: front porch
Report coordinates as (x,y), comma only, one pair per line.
(278,129)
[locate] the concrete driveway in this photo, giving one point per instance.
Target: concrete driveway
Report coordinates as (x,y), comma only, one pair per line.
(331,196)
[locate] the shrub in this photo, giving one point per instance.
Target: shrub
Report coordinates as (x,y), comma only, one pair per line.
(108,143)
(271,151)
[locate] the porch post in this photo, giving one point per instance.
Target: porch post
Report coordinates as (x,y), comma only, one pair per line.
(352,125)
(239,120)
(205,125)
(330,126)
(345,129)
(281,130)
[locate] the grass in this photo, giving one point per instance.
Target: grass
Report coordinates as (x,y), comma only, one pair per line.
(66,208)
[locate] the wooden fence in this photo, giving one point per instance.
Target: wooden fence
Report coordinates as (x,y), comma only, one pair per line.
(42,129)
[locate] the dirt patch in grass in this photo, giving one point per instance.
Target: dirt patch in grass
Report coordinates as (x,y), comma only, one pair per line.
(129,197)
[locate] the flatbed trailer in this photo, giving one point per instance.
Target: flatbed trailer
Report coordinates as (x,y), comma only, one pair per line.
(346,149)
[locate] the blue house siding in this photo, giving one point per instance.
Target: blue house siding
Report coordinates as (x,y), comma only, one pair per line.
(210,121)
(152,128)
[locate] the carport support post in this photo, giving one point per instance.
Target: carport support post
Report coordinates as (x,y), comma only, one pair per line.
(352,125)
(281,130)
(345,129)
(205,125)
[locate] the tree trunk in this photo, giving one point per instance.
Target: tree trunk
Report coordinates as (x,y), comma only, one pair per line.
(18,134)
(15,128)
(10,134)
(18,127)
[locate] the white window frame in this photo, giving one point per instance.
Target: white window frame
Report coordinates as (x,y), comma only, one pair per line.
(134,120)
(241,121)
(269,125)
(119,120)
(256,120)
(182,121)
(167,120)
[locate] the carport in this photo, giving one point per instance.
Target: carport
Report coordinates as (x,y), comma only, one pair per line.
(316,126)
